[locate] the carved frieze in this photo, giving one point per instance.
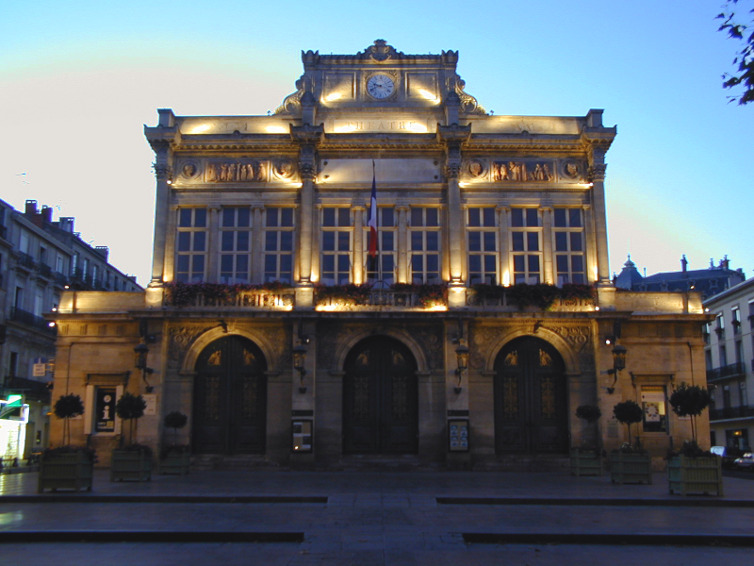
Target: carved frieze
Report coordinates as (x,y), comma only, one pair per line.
(516,170)
(576,336)
(181,338)
(216,171)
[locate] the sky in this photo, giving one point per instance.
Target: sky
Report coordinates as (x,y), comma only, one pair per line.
(80,79)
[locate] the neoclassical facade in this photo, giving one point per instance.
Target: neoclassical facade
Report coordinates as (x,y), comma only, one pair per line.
(380,269)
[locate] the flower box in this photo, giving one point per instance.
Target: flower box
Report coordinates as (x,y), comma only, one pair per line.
(585,462)
(695,475)
(66,470)
(131,465)
(176,463)
(630,467)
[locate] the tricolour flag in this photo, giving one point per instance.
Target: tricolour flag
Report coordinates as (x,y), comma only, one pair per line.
(372,223)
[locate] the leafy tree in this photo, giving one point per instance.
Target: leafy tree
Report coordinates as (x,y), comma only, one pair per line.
(690,401)
(66,408)
(628,412)
(740,30)
(129,408)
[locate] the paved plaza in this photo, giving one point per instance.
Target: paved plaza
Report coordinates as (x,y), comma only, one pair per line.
(366,518)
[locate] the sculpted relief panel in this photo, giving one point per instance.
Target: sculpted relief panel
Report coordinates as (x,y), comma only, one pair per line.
(230,170)
(517,170)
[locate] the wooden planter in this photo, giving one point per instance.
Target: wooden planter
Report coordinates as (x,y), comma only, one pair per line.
(585,462)
(131,465)
(176,463)
(698,475)
(630,467)
(69,470)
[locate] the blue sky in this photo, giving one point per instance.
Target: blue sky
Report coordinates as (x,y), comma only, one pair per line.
(79,79)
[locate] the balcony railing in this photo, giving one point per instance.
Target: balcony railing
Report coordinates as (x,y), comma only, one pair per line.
(359,297)
(539,297)
(731,413)
(726,372)
(26,260)
(30,319)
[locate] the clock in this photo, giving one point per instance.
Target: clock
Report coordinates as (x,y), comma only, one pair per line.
(380,86)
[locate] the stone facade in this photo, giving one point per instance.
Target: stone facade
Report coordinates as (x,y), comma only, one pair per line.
(469,336)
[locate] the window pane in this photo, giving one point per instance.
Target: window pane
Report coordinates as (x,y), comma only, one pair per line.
(272,217)
(489,264)
(517,217)
(286,241)
(226,263)
(184,218)
(560,217)
(561,241)
(229,216)
(475,244)
(271,241)
(475,263)
(416,217)
(387,241)
(344,217)
(576,245)
(518,262)
(200,239)
(532,217)
(242,241)
(473,217)
(200,217)
(433,241)
(532,241)
(286,217)
(577,261)
(387,217)
(489,242)
(518,241)
(575,217)
(416,240)
(244,217)
(562,262)
(343,263)
(227,241)
(328,217)
(344,241)
(533,264)
(432,217)
(489,217)
(184,241)
(328,241)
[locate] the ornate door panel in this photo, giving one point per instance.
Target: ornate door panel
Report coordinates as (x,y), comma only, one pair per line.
(380,398)
(530,398)
(230,394)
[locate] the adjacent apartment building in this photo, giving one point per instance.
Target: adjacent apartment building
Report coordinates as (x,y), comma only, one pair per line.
(39,260)
(729,355)
(380,269)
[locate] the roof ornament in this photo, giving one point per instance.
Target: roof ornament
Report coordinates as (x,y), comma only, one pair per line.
(380,51)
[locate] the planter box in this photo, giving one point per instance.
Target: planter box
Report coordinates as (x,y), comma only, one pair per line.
(176,463)
(626,467)
(699,475)
(70,470)
(131,465)
(585,462)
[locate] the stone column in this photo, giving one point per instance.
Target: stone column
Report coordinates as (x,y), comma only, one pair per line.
(453,136)
(307,137)
(597,168)
(403,244)
(504,249)
(547,248)
(358,275)
(163,169)
(257,244)
(213,248)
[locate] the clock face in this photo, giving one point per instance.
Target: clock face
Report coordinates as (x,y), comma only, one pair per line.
(380,86)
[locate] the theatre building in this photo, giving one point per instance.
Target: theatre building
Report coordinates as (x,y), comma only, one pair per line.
(380,270)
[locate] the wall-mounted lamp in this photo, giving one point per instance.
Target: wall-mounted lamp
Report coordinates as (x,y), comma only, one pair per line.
(141,351)
(619,363)
(299,359)
(462,361)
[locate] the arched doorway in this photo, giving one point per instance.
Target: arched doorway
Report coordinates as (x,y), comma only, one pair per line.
(230,397)
(530,398)
(380,399)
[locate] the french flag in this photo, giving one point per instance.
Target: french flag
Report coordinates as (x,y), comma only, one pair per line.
(372,223)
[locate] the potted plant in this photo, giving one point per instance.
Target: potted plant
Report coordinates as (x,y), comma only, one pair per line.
(630,464)
(693,470)
(133,461)
(587,460)
(66,467)
(175,457)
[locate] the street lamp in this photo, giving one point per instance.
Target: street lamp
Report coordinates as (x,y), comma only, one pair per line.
(141,351)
